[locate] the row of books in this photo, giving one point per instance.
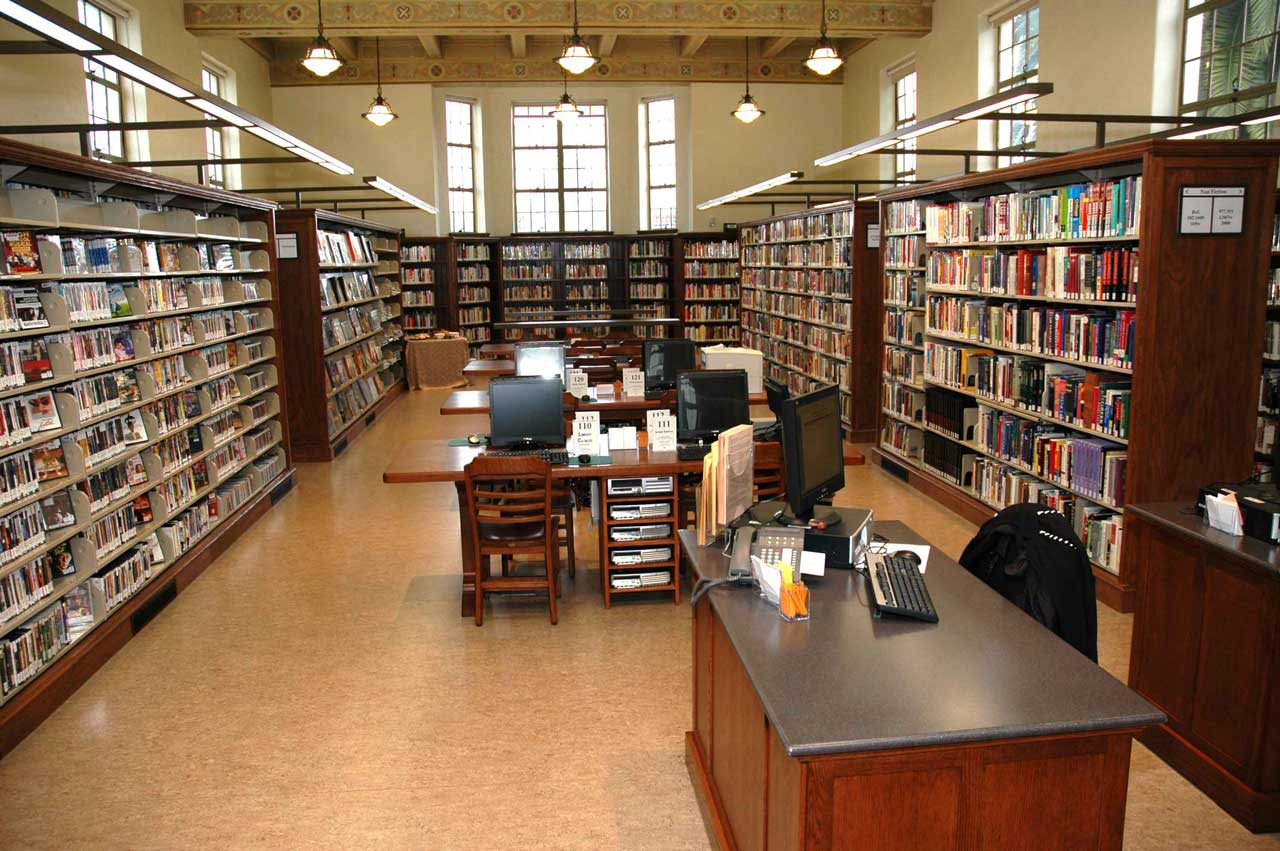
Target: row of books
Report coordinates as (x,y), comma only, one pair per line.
(418,298)
(906,402)
(419,275)
(903,327)
(586,250)
(710,269)
(1060,271)
(1101,337)
(722,248)
(95,347)
(649,248)
(342,327)
(712,333)
(473,273)
(836,224)
(579,292)
(349,403)
(424,253)
(345,286)
(1079,211)
(472,251)
(903,217)
(472,294)
(711,313)
(903,289)
(346,247)
(350,363)
(827,283)
(904,252)
(816,337)
(529,272)
(420,321)
(649,269)
(726,292)
(799,254)
(649,292)
(528,251)
(528,292)
(903,365)
(820,310)
(74,255)
(814,365)
(473,315)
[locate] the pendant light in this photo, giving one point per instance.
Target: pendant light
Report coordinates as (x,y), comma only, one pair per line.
(379,113)
(748,110)
(576,58)
(321,59)
(823,58)
(567,109)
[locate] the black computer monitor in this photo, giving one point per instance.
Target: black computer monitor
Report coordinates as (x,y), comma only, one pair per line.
(777,393)
(664,360)
(812,451)
(709,401)
(545,359)
(526,412)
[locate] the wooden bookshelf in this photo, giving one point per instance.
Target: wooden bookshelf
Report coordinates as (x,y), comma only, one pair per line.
(340,369)
(424,263)
(1182,423)
(613,549)
(554,272)
(1265,446)
(651,278)
(191,391)
(811,304)
(707,292)
(473,285)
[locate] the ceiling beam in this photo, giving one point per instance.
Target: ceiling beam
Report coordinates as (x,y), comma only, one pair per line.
(607,43)
(433,45)
(519,46)
(774,46)
(264,47)
(689,44)
(348,48)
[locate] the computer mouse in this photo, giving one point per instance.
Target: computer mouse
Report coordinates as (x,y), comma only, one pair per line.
(584,459)
(907,555)
(475,439)
(585,397)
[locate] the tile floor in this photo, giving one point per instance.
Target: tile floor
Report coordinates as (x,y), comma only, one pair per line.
(317,689)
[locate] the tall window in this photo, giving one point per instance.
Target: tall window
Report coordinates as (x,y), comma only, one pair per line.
(102,86)
(1017,62)
(1229,57)
(561,170)
(214,137)
(460,142)
(660,163)
(904,114)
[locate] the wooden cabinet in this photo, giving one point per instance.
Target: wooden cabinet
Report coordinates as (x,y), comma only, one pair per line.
(1205,644)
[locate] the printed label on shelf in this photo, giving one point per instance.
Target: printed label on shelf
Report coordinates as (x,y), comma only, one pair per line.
(287,246)
(873,236)
(1211,210)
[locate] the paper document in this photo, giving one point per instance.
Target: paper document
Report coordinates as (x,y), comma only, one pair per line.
(813,564)
(1224,513)
(735,485)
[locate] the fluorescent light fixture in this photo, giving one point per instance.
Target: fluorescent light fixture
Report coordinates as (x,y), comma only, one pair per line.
(867,197)
(32,21)
(1275,116)
(752,190)
(337,167)
(1204,131)
(985,106)
(219,112)
(142,75)
(274,138)
(307,155)
(396,192)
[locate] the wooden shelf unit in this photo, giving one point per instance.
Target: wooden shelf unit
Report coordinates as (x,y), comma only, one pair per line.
(707,292)
(221,385)
(366,362)
(609,547)
(424,262)
(795,310)
(1188,423)
(1266,446)
(575,273)
(474,262)
(651,278)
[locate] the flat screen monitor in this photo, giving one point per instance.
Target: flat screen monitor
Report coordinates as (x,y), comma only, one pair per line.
(540,359)
(777,393)
(526,411)
(664,360)
(709,401)
(812,449)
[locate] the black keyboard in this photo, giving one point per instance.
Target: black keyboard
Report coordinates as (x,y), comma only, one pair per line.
(899,588)
(693,451)
(551,456)
(654,395)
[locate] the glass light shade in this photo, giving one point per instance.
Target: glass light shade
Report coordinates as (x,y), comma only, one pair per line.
(380,112)
(321,59)
(566,109)
(577,57)
(824,58)
(748,110)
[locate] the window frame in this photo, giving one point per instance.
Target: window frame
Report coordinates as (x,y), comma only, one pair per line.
(215,138)
(1010,153)
(1264,90)
(108,80)
(559,189)
(470,147)
(905,165)
(649,145)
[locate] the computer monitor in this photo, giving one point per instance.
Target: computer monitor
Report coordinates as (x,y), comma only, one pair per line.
(709,401)
(664,360)
(812,451)
(545,359)
(526,412)
(777,393)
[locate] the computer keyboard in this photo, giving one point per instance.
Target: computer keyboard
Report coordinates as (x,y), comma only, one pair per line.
(692,451)
(551,456)
(899,588)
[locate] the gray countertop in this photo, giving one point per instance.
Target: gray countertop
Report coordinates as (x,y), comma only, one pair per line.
(1181,517)
(844,681)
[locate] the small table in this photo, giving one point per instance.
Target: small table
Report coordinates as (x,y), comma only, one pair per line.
(477,402)
(435,363)
(498,350)
(489,367)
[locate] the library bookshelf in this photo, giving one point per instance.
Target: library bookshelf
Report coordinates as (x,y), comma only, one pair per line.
(811,304)
(706,291)
(472,291)
(424,297)
(344,365)
(651,278)
(130,467)
(557,276)
(1072,345)
(1265,446)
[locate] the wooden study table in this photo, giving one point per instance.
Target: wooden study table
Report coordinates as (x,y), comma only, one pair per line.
(488,367)
(984,731)
(420,461)
(498,350)
(477,402)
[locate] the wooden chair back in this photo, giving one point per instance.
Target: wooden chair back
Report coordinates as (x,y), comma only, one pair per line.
(769,478)
(598,369)
(507,491)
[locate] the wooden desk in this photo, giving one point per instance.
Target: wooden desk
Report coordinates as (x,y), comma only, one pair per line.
(477,402)
(498,350)
(488,367)
(421,461)
(983,731)
(1206,650)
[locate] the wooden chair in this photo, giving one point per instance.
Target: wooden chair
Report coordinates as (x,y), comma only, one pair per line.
(509,507)
(599,370)
(625,350)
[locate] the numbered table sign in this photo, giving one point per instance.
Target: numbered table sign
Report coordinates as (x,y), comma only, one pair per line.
(578,384)
(662,433)
(632,382)
(586,432)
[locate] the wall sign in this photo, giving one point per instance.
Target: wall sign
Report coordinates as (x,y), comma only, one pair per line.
(287,246)
(873,236)
(1209,210)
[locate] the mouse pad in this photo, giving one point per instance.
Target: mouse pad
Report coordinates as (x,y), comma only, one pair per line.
(596,461)
(462,441)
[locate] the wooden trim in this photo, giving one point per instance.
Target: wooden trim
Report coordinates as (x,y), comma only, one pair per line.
(830,208)
(707,795)
(329,216)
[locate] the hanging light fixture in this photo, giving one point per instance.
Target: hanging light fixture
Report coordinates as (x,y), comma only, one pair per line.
(748,110)
(567,109)
(823,58)
(576,57)
(379,113)
(321,59)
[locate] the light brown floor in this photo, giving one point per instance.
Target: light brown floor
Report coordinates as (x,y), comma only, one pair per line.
(317,689)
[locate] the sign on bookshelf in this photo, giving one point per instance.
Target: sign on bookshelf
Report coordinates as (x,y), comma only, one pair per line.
(1211,210)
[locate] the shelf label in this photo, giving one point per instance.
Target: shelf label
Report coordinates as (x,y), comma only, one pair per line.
(579,386)
(633,382)
(287,246)
(873,236)
(1207,210)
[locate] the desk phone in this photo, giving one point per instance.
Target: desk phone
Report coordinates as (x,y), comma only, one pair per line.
(770,544)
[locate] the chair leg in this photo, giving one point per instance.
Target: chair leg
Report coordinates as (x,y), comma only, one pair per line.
(568,533)
(506,565)
(482,572)
(553,572)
